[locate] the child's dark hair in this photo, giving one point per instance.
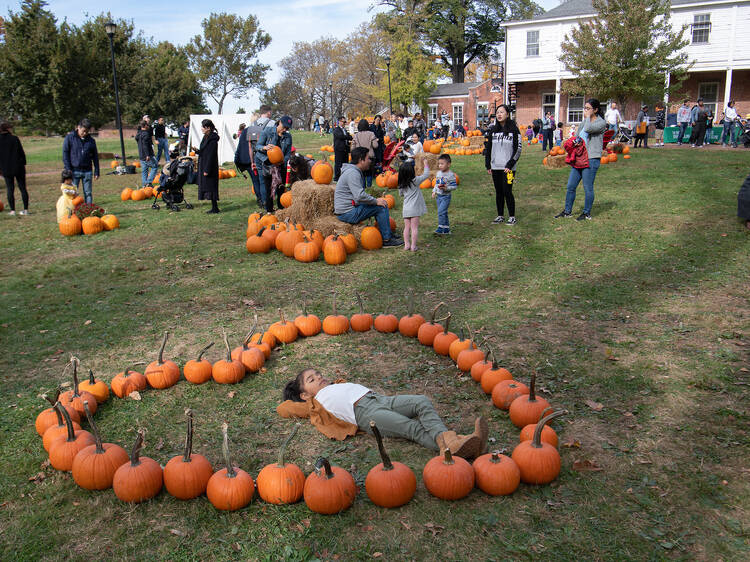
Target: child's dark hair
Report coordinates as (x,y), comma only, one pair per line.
(293,388)
(66,175)
(560,124)
(299,170)
(406,174)
(446,157)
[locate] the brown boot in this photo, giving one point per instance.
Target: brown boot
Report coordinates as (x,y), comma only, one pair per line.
(482,431)
(466,446)
(441,440)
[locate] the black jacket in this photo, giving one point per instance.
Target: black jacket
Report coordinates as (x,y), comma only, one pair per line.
(160,131)
(145,145)
(12,156)
(208,163)
(341,139)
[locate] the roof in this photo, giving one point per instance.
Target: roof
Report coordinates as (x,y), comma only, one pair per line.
(453,90)
(571,8)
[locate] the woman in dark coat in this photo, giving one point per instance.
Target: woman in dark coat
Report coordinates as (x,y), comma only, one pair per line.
(13,167)
(379,130)
(743,202)
(208,165)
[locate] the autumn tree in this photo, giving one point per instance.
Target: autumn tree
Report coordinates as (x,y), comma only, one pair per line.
(225,57)
(626,51)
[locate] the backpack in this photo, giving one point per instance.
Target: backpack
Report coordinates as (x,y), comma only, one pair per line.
(537,123)
(242,154)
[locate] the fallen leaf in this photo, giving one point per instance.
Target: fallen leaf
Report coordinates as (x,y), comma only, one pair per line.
(572,443)
(744,370)
(466,281)
(596,406)
(406,526)
(38,477)
(87,322)
(368,528)
(609,354)
(306,523)
(135,395)
(43,331)
(231,394)
(377,554)
(586,465)
(178,532)
(236,546)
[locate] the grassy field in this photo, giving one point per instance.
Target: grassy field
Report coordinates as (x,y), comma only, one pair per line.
(637,322)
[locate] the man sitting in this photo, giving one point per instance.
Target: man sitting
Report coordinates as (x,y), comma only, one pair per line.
(339,409)
(352,204)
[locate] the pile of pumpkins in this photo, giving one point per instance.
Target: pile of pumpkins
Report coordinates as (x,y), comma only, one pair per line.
(321,173)
(462,147)
(226,174)
(608,158)
(114,163)
(389,180)
(73,226)
(96,465)
(139,194)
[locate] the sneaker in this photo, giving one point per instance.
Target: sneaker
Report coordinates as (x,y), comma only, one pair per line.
(499,220)
(563,215)
(393,242)
(511,221)
(24,212)
(584,217)
(11,213)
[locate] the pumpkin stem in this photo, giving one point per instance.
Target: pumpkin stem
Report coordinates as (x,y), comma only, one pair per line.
(161,349)
(92,380)
(74,362)
(71,430)
(283,320)
(260,232)
(225,449)
(135,453)
(286,442)
(536,441)
(495,458)
(532,392)
(60,420)
(494,359)
(447,322)
(95,430)
(471,334)
(226,343)
(126,371)
(187,457)
(387,464)
(323,463)
(202,351)
(359,300)
(547,409)
(448,457)
(52,400)
(434,312)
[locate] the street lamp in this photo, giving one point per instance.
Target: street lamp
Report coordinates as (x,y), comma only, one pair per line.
(388,66)
(110,28)
(333,115)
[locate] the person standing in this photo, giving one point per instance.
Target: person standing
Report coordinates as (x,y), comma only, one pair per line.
(183,133)
(709,127)
(341,140)
(162,142)
(659,124)
(146,154)
(594,125)
(683,120)
(80,156)
(729,134)
(694,122)
(274,135)
(613,118)
(699,124)
(445,122)
(413,200)
(420,126)
(365,138)
(641,128)
(13,167)
(208,166)
(548,128)
(391,128)
(501,154)
(256,158)
(379,132)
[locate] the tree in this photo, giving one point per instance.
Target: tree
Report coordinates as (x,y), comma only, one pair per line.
(626,52)
(225,57)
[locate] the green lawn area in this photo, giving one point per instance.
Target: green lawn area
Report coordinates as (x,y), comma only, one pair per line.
(644,311)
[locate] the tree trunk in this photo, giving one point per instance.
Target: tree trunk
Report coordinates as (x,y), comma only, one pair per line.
(457,68)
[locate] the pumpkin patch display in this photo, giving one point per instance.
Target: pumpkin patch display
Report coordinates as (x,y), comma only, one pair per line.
(448,477)
(389,484)
(230,488)
(94,466)
(329,489)
(281,483)
(140,479)
(186,476)
(160,373)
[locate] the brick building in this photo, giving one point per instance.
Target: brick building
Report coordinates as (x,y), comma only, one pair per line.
(467,101)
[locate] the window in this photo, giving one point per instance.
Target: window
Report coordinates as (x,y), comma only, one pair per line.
(575,109)
(458,114)
(548,104)
(483,113)
(532,43)
(701,28)
(709,91)
(432,114)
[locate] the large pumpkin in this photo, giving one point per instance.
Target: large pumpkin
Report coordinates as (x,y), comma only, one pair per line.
(389,484)
(322,173)
(448,477)
(230,488)
(281,483)
(140,479)
(306,251)
(334,250)
(257,243)
(370,238)
(538,462)
(94,466)
(186,476)
(70,226)
(160,373)
(329,489)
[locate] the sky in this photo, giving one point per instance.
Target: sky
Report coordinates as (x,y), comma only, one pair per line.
(178,22)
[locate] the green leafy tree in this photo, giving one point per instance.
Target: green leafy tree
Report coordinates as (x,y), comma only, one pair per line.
(413,75)
(626,51)
(225,57)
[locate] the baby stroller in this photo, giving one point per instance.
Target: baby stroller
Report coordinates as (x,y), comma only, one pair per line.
(624,135)
(744,134)
(171,189)
(392,150)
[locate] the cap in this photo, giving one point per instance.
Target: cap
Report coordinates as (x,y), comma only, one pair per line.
(286,121)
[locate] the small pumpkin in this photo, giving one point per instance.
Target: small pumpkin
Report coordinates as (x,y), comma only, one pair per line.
(257,243)
(268,220)
(64,449)
(335,324)
(252,356)
(461,343)
(198,370)
(128,381)
(538,462)
(55,431)
(466,358)
(285,331)
(370,238)
(308,324)
(481,366)
(94,386)
(549,435)
(350,242)
(186,476)
(286,199)
(329,489)
(494,375)
(275,155)
(228,371)
(361,322)
(94,467)
(140,479)
(281,483)
(110,222)
(307,250)
(160,373)
(448,477)
(322,173)
(428,330)
(260,337)
(527,408)
(230,488)
(442,341)
(272,232)
(505,392)
(334,250)
(126,194)
(496,474)
(75,397)
(389,484)
(49,417)
(386,323)
(286,242)
(409,324)
(71,225)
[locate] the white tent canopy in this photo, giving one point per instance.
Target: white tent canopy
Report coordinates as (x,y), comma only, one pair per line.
(226,126)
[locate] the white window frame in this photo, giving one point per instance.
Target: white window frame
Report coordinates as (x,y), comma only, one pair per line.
(484,104)
(460,120)
(548,106)
(701,25)
(710,104)
(532,47)
(432,113)
(570,115)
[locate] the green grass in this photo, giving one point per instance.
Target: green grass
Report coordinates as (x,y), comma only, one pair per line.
(658,281)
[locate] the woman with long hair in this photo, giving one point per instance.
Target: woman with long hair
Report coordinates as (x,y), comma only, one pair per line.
(501,153)
(208,165)
(593,126)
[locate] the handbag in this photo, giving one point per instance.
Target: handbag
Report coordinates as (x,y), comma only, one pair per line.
(641,128)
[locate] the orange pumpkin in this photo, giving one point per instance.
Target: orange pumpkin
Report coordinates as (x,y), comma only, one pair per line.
(140,479)
(92,225)
(275,155)
(448,477)
(527,408)
(308,324)
(70,226)
(389,484)
(198,371)
(329,489)
(281,483)
(186,476)
(230,488)
(94,466)
(335,324)
(361,322)
(228,370)
(538,462)
(496,474)
(110,222)
(322,173)
(162,374)
(428,330)
(505,392)
(63,450)
(370,238)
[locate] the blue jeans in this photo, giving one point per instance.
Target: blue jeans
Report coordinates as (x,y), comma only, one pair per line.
(147,177)
(260,193)
(615,128)
(588,175)
(163,146)
(729,133)
(681,134)
(362,212)
(79,176)
(256,179)
(443,202)
(547,138)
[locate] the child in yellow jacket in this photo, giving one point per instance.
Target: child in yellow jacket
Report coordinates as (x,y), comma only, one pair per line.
(65,202)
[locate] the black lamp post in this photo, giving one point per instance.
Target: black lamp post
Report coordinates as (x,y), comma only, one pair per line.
(110,28)
(388,66)
(333,113)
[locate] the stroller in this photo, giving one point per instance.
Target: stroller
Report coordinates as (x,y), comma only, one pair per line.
(624,135)
(171,189)
(392,150)
(744,134)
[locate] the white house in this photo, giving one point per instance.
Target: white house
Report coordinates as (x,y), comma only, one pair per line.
(719,34)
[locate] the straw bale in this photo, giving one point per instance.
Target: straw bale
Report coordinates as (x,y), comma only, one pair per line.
(310,200)
(476,142)
(420,159)
(554,162)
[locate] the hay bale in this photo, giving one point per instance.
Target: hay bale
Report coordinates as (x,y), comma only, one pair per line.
(431,160)
(555,162)
(476,142)
(310,200)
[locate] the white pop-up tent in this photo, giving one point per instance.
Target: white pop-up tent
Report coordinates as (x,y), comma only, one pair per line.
(226,126)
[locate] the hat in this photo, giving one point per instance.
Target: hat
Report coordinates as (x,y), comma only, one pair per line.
(286,121)
(699,100)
